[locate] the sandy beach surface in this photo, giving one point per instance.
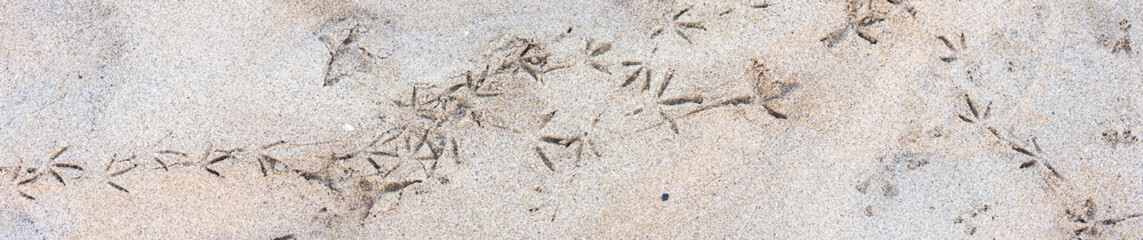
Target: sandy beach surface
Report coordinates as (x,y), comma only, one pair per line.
(608,119)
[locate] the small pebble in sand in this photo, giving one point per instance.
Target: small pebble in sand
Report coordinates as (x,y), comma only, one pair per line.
(666,196)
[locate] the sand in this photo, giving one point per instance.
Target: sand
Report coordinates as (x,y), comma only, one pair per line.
(898,119)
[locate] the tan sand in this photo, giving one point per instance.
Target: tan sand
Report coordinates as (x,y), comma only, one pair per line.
(899,119)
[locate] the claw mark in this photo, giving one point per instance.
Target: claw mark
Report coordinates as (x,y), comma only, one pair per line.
(117,187)
(773,113)
(1090,226)
(599,49)
(1054,172)
(30,180)
(834,37)
(977,114)
(212,171)
(971,106)
(955,50)
(599,67)
(173,152)
(544,158)
(121,172)
(346,56)
(565,142)
(65,165)
(384,153)
(681,12)
(859,16)
(373,163)
(863,35)
(218,159)
(268,146)
(671,122)
(656,31)
(455,150)
(25,195)
(765,91)
(161,163)
(262,165)
(682,99)
(646,80)
(57,177)
(547,117)
(1037,158)
(528,55)
(1021,149)
(678,26)
(965,119)
(57,154)
(1028,164)
(397,186)
(693,24)
(1114,221)
(683,35)
(632,77)
(666,81)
